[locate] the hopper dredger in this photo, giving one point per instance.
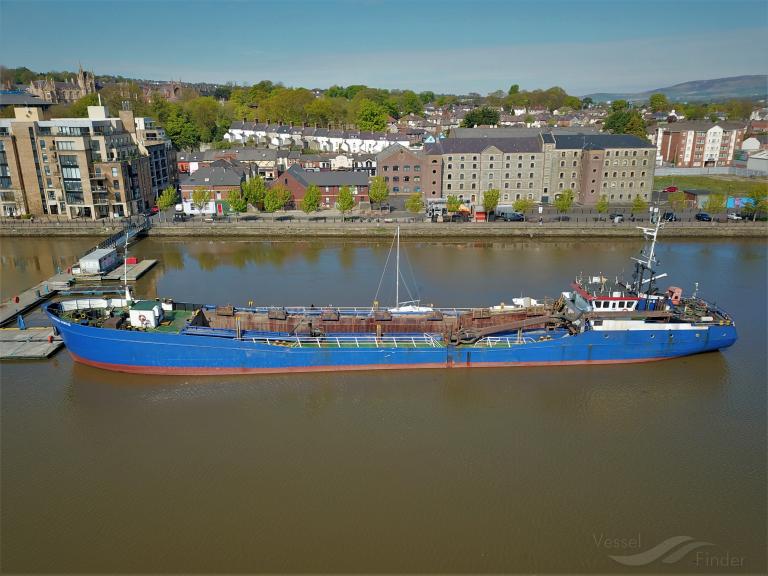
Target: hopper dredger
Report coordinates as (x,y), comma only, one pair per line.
(594,322)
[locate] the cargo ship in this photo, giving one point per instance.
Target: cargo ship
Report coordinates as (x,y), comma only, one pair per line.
(594,322)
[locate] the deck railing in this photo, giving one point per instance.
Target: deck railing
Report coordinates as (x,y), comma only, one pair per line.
(399,341)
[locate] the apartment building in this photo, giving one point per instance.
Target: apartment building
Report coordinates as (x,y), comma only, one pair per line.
(155,145)
(541,166)
(76,167)
(697,144)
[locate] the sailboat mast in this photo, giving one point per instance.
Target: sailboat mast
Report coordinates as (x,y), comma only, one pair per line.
(397,271)
(125,261)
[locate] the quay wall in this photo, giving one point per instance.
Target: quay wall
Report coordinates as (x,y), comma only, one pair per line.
(303,229)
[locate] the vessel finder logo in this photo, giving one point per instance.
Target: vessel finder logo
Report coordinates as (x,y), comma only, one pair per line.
(669,551)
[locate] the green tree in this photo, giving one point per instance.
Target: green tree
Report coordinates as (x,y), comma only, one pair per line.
(514,89)
(408,102)
(529,119)
(167,198)
(182,132)
(254,191)
(371,117)
(625,122)
(639,204)
(523,205)
(276,198)
(715,203)
(203,112)
(677,200)
(346,200)
(415,204)
(427,96)
(480,116)
(311,201)
(564,201)
(490,200)
(452,203)
(738,109)
(200,198)
(237,200)
(79,108)
(378,191)
(619,105)
(759,205)
(602,204)
(587,102)
(658,102)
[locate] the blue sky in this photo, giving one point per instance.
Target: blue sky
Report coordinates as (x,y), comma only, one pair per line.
(441,45)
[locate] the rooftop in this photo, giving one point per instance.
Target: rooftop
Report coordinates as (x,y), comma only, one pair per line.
(333,178)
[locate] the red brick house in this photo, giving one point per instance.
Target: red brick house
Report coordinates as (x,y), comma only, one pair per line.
(297,180)
(220,178)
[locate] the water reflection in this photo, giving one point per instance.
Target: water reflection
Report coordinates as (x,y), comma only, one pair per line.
(494,470)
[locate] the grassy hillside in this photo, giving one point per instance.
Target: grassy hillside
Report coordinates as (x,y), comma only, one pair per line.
(732,185)
(718,89)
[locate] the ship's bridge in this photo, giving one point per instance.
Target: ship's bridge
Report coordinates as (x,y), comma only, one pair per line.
(605,298)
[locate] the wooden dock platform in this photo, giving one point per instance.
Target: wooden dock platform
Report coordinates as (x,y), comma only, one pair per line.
(26,301)
(29,344)
(135,271)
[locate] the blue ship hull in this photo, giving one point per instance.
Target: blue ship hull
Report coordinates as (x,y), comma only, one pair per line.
(171,353)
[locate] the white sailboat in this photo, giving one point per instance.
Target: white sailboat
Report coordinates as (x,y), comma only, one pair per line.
(407,306)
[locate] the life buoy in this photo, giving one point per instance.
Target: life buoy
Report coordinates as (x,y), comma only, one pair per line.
(143,319)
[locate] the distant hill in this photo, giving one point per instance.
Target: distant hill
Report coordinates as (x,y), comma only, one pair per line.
(752,87)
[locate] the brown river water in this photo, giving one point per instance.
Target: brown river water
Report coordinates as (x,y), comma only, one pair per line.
(548,470)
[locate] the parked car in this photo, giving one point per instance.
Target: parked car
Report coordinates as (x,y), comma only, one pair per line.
(513,217)
(669,217)
(616,218)
(154,210)
(734,216)
(460,217)
(703,217)
(179,217)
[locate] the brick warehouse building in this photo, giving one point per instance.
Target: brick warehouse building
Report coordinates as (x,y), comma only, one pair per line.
(406,171)
(297,180)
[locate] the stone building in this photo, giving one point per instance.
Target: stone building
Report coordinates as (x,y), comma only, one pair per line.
(64,92)
(540,166)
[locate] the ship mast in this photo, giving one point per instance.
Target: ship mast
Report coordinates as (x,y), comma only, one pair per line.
(397,271)
(648,259)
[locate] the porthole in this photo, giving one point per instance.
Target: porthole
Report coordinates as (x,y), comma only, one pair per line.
(653,336)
